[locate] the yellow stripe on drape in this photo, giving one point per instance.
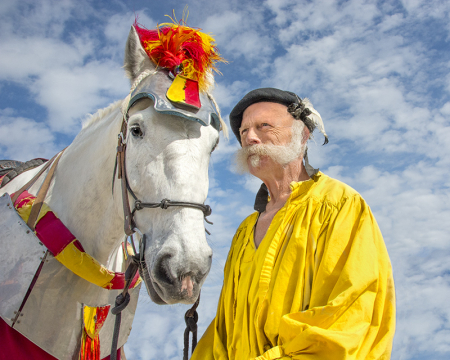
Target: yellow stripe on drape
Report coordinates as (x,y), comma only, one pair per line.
(84,265)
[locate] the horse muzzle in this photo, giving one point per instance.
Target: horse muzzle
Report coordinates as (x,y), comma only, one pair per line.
(170,280)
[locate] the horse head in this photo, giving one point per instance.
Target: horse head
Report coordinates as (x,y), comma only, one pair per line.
(168,149)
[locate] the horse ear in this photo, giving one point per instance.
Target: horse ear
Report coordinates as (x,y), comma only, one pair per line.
(135,60)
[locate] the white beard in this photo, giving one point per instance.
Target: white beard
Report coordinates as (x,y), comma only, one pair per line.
(281,154)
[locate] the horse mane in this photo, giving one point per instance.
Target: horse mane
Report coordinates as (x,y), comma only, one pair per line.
(101,113)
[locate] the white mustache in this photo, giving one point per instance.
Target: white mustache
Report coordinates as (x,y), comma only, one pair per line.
(281,154)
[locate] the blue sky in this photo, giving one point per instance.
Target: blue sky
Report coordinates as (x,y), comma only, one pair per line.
(377,71)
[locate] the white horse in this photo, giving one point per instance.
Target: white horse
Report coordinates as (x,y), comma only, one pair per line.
(167,158)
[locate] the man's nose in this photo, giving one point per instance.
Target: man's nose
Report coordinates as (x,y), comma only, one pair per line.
(251,137)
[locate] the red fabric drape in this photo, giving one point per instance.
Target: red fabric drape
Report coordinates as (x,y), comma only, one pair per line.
(13,345)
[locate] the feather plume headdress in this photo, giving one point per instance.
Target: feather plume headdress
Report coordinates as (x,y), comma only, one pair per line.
(180,80)
(182,50)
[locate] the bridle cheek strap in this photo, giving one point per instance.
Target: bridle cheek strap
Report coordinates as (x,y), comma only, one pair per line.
(122,175)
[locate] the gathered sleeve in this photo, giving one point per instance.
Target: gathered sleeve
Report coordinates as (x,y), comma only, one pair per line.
(351,312)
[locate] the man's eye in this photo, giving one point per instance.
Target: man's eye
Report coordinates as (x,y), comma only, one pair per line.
(243,131)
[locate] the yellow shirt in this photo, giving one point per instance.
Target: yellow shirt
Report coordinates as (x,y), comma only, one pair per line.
(319,286)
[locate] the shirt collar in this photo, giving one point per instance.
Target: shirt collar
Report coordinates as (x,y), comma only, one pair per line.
(297,188)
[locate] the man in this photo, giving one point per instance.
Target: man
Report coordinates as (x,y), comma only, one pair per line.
(308,275)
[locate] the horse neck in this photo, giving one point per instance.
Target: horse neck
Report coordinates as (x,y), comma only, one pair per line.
(81,195)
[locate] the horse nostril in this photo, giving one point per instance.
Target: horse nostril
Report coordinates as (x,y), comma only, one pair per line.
(162,270)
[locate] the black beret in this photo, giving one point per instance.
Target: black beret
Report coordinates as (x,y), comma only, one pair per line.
(259,95)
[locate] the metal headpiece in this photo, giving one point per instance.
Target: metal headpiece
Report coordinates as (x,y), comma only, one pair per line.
(156,87)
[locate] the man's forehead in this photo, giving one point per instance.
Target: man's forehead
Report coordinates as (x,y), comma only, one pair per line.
(264,110)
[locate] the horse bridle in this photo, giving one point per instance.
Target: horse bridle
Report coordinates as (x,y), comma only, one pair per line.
(120,166)
(138,260)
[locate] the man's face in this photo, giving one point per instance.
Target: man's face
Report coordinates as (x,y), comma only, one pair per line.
(270,137)
(266,123)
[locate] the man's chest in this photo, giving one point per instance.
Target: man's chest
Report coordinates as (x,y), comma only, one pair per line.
(263,224)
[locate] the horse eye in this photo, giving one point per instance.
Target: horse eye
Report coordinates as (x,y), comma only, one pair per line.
(136,131)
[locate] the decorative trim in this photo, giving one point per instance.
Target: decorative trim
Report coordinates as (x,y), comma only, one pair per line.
(63,245)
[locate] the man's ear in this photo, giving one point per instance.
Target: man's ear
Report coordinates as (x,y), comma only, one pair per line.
(306,134)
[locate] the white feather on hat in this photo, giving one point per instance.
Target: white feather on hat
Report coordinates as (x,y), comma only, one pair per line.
(315,117)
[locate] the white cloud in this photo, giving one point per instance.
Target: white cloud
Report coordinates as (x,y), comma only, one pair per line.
(445,110)
(390,22)
(229,95)
(23,58)
(426,8)
(44,18)
(71,93)
(117,29)
(24,139)
(66,78)
(240,34)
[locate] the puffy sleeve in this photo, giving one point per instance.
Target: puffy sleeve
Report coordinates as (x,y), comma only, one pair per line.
(351,313)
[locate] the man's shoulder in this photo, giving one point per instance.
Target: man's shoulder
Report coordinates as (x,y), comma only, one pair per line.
(332,190)
(250,220)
